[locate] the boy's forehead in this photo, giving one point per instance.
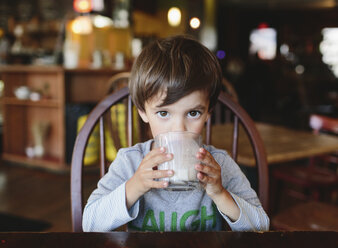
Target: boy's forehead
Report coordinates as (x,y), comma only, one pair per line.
(158,99)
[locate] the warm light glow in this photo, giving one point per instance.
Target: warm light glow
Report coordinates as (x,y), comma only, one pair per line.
(82,6)
(100,21)
(174,17)
(82,25)
(195,23)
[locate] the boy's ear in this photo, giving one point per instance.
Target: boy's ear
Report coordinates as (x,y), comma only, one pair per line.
(208,116)
(143,115)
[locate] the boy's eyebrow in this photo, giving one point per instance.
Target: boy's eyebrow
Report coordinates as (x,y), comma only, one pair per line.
(199,106)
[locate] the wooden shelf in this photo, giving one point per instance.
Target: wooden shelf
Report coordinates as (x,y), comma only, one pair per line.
(40,103)
(23,117)
(74,86)
(50,163)
(104,70)
(30,68)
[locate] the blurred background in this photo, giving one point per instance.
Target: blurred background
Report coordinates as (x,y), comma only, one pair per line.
(57,58)
(280,55)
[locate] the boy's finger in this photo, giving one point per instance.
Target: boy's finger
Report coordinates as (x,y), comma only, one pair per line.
(156,174)
(205,179)
(158,184)
(156,159)
(154,152)
(204,156)
(208,170)
(202,177)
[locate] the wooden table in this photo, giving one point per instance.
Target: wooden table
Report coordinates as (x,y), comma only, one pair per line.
(176,239)
(281,144)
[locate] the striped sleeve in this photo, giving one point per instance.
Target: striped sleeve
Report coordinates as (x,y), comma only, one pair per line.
(108,212)
(251,218)
(252,215)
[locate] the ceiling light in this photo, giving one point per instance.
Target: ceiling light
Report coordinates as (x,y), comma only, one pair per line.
(174,16)
(195,23)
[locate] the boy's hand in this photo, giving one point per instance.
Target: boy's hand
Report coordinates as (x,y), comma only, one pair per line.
(143,179)
(209,173)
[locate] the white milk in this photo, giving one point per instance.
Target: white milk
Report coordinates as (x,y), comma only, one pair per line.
(183,146)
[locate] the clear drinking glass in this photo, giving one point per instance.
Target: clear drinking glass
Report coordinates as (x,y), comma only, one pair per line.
(183,146)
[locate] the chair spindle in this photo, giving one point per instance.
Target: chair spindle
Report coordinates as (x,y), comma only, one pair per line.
(235,139)
(102,148)
(130,121)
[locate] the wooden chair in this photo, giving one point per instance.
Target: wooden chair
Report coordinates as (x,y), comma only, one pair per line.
(118,81)
(230,90)
(221,114)
(97,116)
(118,131)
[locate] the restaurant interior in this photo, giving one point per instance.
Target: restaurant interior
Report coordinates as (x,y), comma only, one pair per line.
(279,60)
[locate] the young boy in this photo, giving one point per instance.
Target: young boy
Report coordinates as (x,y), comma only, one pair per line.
(174,84)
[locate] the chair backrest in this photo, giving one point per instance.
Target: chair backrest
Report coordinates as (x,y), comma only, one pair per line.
(221,115)
(97,116)
(118,81)
(239,118)
(117,128)
(230,89)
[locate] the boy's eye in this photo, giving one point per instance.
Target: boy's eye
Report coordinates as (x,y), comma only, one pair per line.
(194,114)
(162,114)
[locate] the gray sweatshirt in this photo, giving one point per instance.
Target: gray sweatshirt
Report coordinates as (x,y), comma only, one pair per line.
(163,210)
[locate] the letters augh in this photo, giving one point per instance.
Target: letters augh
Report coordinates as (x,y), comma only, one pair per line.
(178,223)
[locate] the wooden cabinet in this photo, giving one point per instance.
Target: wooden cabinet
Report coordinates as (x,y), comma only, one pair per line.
(21,116)
(87,85)
(60,87)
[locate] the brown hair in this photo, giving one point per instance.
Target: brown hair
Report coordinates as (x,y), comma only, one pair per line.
(176,66)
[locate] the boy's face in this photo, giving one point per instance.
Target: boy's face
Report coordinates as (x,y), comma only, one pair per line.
(187,114)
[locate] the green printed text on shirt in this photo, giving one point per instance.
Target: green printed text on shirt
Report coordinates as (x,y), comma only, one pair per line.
(192,220)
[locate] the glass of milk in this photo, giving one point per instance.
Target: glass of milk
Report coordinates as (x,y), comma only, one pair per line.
(184,147)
